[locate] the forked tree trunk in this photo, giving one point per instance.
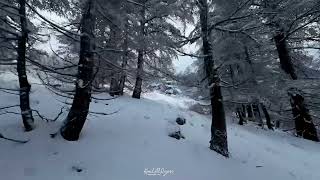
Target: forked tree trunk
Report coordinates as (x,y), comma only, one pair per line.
(80,107)
(25,87)
(303,121)
(218,140)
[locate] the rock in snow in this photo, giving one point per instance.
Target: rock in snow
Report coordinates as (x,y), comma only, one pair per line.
(181,121)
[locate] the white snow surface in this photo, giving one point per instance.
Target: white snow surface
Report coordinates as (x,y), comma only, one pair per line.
(123,145)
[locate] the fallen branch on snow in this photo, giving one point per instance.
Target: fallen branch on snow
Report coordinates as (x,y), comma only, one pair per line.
(13,140)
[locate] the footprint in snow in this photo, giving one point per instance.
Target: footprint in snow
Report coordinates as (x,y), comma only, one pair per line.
(76,168)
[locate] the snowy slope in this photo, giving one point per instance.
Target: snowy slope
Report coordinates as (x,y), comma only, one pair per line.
(123,145)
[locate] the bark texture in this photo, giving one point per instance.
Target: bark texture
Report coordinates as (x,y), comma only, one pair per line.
(25,87)
(138,85)
(303,121)
(285,59)
(239,114)
(80,107)
(124,61)
(267,116)
(218,140)
(250,112)
(114,85)
(115,77)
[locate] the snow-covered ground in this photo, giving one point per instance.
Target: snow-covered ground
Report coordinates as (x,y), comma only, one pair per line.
(128,144)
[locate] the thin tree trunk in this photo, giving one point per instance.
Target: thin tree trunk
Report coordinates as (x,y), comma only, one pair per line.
(244,114)
(250,112)
(239,113)
(267,116)
(80,107)
(25,87)
(124,60)
(257,114)
(218,140)
(123,75)
(232,81)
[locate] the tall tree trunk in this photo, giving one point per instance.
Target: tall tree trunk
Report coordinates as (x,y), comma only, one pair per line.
(303,121)
(285,59)
(115,77)
(124,60)
(138,85)
(267,116)
(25,87)
(218,140)
(80,107)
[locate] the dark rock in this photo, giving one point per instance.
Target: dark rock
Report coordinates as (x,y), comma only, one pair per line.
(77,169)
(177,135)
(181,121)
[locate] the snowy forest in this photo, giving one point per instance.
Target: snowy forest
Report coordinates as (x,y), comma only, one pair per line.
(159,89)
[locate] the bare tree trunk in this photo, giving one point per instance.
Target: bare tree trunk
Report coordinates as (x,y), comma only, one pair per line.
(114,85)
(250,112)
(232,81)
(76,118)
(257,114)
(138,85)
(124,60)
(123,74)
(244,114)
(218,140)
(115,77)
(285,59)
(25,87)
(239,113)
(303,121)
(266,115)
